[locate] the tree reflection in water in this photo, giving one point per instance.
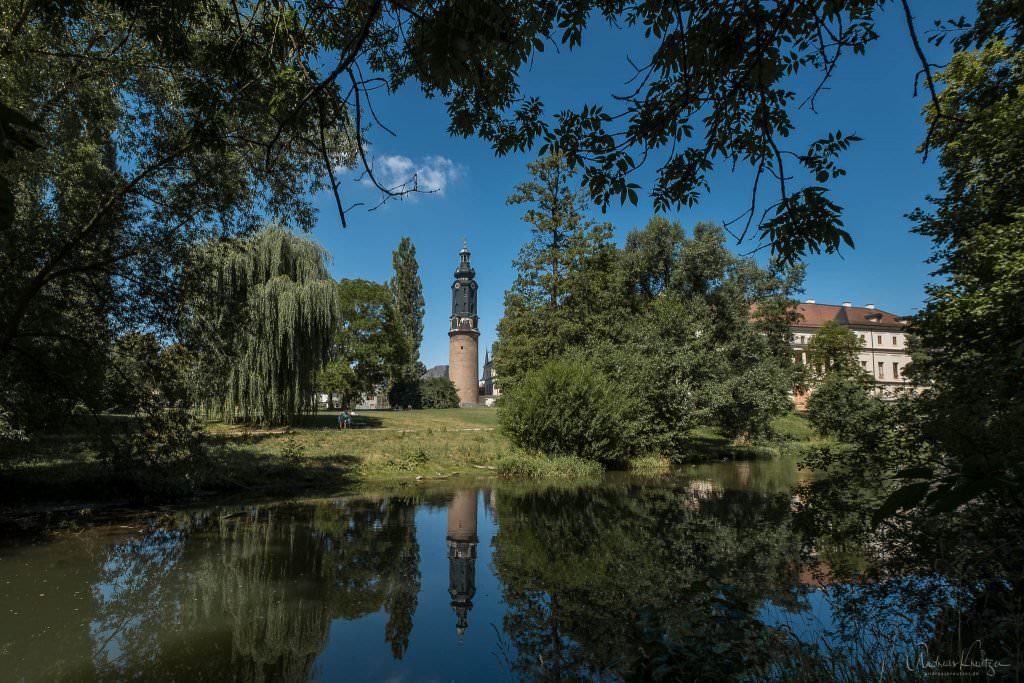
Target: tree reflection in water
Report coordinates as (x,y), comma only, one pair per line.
(636,581)
(696,578)
(250,595)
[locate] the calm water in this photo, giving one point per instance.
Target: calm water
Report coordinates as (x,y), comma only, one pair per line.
(452,582)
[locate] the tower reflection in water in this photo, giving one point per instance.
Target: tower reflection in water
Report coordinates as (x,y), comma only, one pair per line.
(462,540)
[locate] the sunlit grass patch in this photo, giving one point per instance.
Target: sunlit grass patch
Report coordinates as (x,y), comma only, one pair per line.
(651,464)
(521,465)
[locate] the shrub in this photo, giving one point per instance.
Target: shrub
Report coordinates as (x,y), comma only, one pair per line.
(843,408)
(164,457)
(567,407)
(438,392)
(752,399)
(528,466)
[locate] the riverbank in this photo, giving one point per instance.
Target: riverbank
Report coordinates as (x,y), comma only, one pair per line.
(317,457)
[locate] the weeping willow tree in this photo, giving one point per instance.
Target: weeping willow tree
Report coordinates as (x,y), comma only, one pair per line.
(259,314)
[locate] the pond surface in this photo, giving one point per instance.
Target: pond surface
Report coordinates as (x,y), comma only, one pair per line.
(698,573)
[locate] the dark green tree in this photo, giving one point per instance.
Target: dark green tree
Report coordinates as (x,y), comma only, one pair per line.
(833,350)
(970,327)
(152,131)
(705,335)
(142,370)
(546,309)
(369,345)
(438,392)
(841,404)
(407,291)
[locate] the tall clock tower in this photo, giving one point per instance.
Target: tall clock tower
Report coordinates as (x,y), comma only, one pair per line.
(464,332)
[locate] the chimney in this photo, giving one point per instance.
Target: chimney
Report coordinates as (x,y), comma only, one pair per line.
(871,306)
(847,304)
(811,301)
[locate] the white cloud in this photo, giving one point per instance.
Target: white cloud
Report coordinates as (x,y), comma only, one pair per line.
(432,174)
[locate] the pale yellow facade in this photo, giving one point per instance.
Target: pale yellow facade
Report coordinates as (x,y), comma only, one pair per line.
(883,338)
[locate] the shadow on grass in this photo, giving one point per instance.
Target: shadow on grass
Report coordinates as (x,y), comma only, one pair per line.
(705,446)
(330,421)
(77,480)
(241,470)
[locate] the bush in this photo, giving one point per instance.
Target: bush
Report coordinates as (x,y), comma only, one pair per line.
(528,466)
(843,408)
(164,457)
(752,399)
(405,393)
(567,407)
(438,392)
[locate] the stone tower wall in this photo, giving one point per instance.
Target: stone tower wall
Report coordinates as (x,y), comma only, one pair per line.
(462,517)
(463,362)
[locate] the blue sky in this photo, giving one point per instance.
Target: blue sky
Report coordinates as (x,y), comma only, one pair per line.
(871,95)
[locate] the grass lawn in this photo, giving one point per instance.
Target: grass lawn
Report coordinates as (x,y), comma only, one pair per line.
(316,456)
(383,444)
(313,457)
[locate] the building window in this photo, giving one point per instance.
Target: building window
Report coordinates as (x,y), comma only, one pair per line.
(895,370)
(864,364)
(895,342)
(881,370)
(879,340)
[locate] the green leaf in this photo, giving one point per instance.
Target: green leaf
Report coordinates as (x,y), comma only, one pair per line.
(901,499)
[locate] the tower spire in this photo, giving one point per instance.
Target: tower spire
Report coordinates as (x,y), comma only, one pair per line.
(464,332)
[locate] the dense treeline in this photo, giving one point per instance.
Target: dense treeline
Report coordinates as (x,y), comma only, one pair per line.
(951,458)
(669,332)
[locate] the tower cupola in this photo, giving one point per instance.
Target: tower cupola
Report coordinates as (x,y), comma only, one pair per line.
(464,271)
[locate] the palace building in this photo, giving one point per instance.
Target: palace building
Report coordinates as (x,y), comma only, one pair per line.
(883,339)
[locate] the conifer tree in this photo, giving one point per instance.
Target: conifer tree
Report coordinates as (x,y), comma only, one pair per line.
(407,293)
(548,308)
(407,290)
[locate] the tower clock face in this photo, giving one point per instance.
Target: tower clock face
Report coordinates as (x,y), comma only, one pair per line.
(457,285)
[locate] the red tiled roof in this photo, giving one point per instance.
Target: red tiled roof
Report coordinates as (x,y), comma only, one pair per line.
(816,315)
